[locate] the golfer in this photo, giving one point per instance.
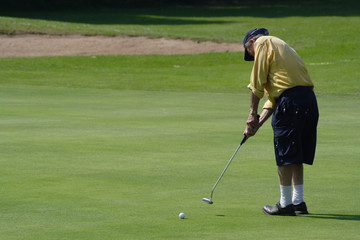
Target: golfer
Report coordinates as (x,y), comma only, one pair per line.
(280,74)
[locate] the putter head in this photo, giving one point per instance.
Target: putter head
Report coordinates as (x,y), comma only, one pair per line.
(207,201)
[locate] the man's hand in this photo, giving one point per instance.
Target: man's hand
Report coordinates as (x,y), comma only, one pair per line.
(255,122)
(252,125)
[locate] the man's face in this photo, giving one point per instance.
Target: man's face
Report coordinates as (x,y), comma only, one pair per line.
(251,48)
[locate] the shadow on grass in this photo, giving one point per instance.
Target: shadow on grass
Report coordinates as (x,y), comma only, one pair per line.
(334,216)
(183,15)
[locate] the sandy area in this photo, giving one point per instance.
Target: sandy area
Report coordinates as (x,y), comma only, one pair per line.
(32,45)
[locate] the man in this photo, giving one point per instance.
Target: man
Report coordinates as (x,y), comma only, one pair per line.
(279,72)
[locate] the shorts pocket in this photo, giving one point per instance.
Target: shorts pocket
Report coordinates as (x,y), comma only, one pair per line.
(283,116)
(285,142)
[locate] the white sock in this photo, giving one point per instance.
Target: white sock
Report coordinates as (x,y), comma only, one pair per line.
(298,196)
(285,197)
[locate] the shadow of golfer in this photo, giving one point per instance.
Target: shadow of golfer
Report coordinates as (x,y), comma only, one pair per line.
(334,216)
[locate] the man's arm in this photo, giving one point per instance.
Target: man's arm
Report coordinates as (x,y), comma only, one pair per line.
(254,122)
(258,80)
(265,114)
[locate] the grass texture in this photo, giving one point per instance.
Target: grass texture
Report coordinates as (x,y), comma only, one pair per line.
(115,147)
(121,164)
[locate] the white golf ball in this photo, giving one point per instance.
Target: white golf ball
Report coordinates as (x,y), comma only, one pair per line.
(182,215)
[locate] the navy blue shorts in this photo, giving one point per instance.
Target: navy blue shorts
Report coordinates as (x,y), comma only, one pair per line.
(294,123)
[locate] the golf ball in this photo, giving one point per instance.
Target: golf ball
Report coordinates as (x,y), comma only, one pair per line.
(182,215)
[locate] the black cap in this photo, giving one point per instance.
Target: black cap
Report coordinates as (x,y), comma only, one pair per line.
(249,35)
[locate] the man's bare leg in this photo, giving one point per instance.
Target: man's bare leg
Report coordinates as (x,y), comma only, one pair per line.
(285,174)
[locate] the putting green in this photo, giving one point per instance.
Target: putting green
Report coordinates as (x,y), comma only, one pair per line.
(122,164)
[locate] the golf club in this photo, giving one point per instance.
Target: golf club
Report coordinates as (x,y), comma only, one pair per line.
(209,200)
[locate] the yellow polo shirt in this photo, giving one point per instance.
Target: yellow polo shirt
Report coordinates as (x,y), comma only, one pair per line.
(277,67)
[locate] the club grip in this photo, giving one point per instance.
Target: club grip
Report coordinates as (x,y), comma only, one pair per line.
(243,140)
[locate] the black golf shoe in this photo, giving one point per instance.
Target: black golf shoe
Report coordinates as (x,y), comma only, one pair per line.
(289,210)
(301,208)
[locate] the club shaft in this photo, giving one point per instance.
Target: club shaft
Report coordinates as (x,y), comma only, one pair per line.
(227,165)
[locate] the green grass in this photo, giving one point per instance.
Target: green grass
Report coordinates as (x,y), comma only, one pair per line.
(324,35)
(215,72)
(226,23)
(156,72)
(121,164)
(115,147)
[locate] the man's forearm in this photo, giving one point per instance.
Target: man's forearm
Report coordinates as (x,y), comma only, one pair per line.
(254,122)
(265,114)
(254,104)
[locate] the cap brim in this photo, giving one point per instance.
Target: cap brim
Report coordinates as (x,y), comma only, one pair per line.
(247,56)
